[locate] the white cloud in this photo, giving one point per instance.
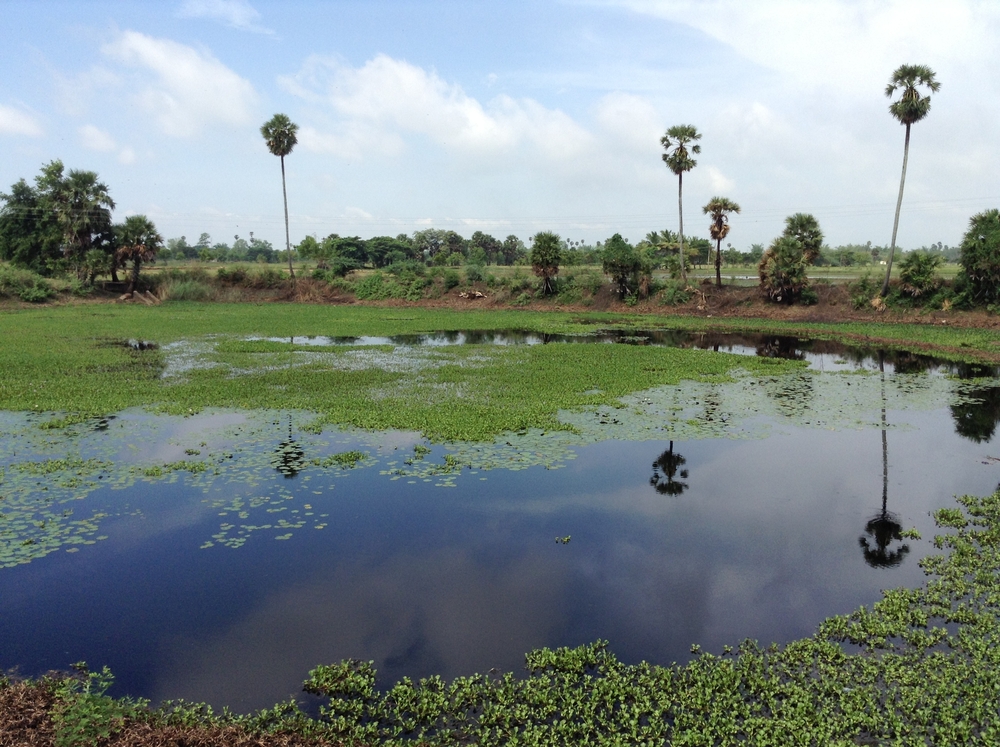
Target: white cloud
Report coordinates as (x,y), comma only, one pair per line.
(356,212)
(719,181)
(236,14)
(385,98)
(16,122)
(183,88)
(848,46)
(631,121)
(126,156)
(96,139)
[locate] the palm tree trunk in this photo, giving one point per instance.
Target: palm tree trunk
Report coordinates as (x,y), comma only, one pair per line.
(718,263)
(680,213)
(134,278)
(899,204)
(288,243)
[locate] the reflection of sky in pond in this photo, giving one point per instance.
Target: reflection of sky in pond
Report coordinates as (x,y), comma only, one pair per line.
(821,355)
(379,561)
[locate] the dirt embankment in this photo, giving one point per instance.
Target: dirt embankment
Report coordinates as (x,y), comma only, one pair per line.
(707,301)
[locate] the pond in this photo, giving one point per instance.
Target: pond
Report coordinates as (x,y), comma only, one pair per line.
(220,556)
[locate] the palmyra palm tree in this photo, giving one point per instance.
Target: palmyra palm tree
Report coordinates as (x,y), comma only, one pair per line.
(279,134)
(719,208)
(678,159)
(911,107)
(805,229)
(137,241)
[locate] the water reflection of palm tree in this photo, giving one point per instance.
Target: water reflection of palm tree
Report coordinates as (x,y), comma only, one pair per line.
(883,528)
(665,468)
(289,458)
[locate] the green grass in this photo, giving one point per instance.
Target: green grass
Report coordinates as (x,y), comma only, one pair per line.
(72,360)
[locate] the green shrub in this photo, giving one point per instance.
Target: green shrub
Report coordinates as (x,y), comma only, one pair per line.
(375,287)
(235,276)
(407,268)
(258,277)
(186,290)
(24,284)
(83,715)
(473,273)
(863,290)
(451,279)
(589,281)
(624,264)
(981,258)
(522,300)
(264,277)
(674,292)
(918,273)
(782,270)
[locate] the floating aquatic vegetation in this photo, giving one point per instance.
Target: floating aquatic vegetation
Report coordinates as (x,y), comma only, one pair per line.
(45,473)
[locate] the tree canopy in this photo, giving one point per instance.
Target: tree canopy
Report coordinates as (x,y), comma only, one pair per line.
(136,241)
(981,257)
(546,253)
(54,224)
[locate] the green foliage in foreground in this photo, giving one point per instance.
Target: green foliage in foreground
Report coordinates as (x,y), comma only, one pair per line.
(922,668)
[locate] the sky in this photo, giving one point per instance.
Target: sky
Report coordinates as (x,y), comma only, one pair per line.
(507,117)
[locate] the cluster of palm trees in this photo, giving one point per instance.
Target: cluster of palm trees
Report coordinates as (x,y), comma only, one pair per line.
(680,142)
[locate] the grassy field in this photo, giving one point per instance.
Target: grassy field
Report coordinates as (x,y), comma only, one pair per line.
(77,360)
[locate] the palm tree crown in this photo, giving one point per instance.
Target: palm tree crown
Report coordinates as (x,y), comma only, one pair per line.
(279,134)
(719,208)
(911,106)
(678,159)
(137,241)
(675,142)
(805,229)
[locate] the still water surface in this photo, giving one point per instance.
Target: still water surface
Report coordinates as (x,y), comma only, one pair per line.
(228,582)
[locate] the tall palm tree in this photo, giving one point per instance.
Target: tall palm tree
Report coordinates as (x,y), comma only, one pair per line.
(678,159)
(911,107)
(137,241)
(719,208)
(279,134)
